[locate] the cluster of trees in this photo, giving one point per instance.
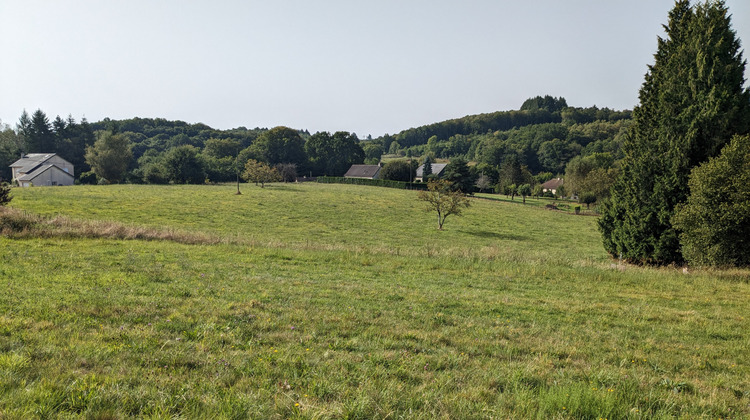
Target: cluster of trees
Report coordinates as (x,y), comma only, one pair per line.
(675,198)
(36,133)
(142,150)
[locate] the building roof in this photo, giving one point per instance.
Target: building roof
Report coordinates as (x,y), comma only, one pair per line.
(437,169)
(553,184)
(40,170)
(32,159)
(362,171)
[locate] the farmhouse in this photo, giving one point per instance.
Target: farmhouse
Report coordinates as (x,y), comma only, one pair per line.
(363,171)
(552,185)
(42,169)
(437,171)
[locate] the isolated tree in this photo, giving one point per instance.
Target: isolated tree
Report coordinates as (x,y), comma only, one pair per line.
(442,199)
(483,182)
(260,173)
(5,196)
(715,221)
(110,156)
(691,103)
(524,190)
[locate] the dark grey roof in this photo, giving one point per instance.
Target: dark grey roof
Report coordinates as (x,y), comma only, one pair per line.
(32,159)
(437,169)
(31,175)
(362,171)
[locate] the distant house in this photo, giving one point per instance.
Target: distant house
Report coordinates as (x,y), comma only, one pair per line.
(363,171)
(437,171)
(42,169)
(552,185)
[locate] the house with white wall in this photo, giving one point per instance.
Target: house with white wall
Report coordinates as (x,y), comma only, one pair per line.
(42,169)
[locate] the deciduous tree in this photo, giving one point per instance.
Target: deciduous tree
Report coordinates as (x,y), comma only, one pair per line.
(442,199)
(110,156)
(183,165)
(260,173)
(333,155)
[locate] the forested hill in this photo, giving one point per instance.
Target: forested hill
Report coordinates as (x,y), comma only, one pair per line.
(159,134)
(544,135)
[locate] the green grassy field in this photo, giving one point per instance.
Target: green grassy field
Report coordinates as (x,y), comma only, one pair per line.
(336,301)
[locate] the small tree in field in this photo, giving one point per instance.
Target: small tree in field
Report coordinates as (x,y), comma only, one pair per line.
(5,196)
(260,173)
(524,190)
(443,201)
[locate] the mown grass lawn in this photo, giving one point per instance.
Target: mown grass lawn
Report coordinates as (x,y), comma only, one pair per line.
(345,301)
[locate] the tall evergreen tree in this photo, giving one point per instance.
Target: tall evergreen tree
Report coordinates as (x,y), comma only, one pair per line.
(691,103)
(427,169)
(41,138)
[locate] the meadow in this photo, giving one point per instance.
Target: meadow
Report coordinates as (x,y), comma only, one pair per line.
(338,301)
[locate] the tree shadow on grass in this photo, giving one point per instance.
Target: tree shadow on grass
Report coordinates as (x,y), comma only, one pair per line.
(495,235)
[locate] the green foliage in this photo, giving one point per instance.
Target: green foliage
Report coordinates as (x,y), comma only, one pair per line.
(427,169)
(38,134)
(110,156)
(279,145)
(459,176)
(5,195)
(547,103)
(524,191)
(691,103)
(444,199)
(9,149)
(333,154)
(260,173)
(715,221)
(398,170)
(88,178)
(183,165)
(590,176)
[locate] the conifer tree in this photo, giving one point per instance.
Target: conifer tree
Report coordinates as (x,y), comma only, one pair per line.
(427,168)
(691,103)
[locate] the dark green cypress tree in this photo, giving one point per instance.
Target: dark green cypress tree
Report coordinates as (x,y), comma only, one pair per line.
(427,169)
(691,103)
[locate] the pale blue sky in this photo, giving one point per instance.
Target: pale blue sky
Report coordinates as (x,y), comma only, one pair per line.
(371,67)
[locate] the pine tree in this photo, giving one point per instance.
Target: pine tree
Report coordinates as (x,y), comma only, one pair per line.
(691,103)
(40,139)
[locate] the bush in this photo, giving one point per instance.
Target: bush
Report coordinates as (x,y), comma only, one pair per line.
(87,178)
(5,196)
(715,221)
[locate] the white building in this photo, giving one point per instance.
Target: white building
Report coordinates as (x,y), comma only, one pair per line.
(42,169)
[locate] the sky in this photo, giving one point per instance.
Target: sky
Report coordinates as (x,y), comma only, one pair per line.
(369,67)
